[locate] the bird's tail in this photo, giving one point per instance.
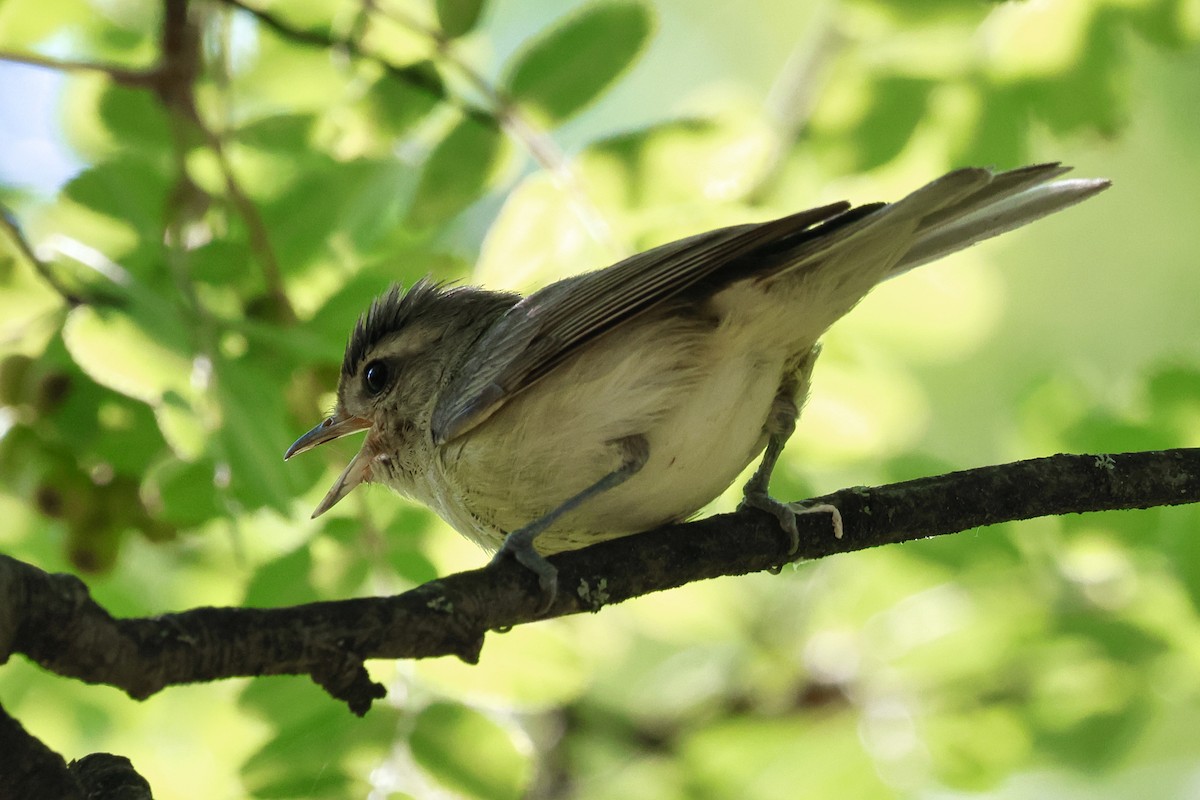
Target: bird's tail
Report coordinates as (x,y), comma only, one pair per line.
(1004,201)
(827,268)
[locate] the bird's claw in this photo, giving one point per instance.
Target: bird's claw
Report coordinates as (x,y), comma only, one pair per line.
(786,514)
(522,550)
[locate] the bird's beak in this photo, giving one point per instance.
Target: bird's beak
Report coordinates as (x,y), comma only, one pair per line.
(356,472)
(333,427)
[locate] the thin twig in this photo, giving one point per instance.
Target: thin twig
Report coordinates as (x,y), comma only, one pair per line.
(260,242)
(794,94)
(138,78)
(8,222)
(793,97)
(417,78)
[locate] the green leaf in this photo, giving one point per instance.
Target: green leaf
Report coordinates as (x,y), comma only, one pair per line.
(396,105)
(802,756)
(456,173)
(25,300)
(285,581)
(122,353)
(115,212)
(25,23)
(315,753)
(181,426)
(468,752)
(101,426)
(897,108)
(253,436)
(976,748)
(458,17)
(1087,711)
(569,66)
(688,161)
(185,491)
(289,133)
(136,119)
(130,189)
(347,205)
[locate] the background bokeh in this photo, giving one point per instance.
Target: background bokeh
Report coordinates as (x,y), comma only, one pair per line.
(223,260)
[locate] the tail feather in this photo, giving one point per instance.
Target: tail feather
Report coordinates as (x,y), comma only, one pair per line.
(839,261)
(1010,200)
(856,247)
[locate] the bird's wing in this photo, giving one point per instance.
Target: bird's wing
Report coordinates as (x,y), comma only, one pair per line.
(952,212)
(539,332)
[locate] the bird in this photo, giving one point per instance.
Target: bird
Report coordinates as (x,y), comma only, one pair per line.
(619,400)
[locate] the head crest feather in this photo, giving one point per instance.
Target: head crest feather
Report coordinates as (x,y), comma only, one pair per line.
(388,313)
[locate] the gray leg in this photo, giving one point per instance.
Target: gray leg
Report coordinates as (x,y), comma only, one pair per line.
(635,450)
(779,426)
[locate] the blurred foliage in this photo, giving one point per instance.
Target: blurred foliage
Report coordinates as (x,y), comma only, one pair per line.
(222,262)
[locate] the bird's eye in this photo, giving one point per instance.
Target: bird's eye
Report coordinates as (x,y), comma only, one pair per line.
(376,376)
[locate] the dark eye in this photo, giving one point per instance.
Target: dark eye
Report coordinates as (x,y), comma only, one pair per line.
(376,376)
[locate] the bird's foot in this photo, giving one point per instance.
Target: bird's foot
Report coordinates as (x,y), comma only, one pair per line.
(519,546)
(786,513)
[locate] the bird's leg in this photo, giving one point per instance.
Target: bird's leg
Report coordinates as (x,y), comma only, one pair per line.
(635,450)
(779,426)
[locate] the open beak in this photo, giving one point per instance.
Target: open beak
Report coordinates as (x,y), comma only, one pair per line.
(333,427)
(356,472)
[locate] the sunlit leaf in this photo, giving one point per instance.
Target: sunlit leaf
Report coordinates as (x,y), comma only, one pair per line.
(532,669)
(27,304)
(976,748)
(788,757)
(343,205)
(25,23)
(118,352)
(687,162)
(181,426)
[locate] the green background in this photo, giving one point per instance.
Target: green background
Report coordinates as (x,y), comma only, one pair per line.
(143,430)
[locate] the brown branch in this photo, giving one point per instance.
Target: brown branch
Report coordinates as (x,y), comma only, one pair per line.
(180,42)
(53,620)
(136,78)
(28,768)
(108,777)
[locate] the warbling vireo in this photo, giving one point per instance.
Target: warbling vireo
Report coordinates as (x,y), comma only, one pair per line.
(618,400)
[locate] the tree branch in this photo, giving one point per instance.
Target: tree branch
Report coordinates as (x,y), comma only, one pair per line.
(29,768)
(180,42)
(136,78)
(9,224)
(53,620)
